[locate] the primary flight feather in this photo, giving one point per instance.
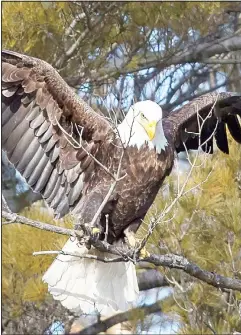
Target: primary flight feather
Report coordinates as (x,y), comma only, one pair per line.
(60,145)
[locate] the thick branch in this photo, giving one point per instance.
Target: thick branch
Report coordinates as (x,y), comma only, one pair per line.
(196,53)
(152,278)
(180,262)
(168,260)
(102,326)
(177,262)
(221,61)
(13,217)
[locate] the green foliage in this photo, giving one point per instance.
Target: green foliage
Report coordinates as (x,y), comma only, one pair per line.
(28,26)
(38,28)
(22,272)
(206,229)
(172,15)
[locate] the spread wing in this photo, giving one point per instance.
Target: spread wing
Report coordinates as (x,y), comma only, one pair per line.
(39,110)
(204,119)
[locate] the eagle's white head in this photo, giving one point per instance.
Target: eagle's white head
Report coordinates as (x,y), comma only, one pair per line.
(143,124)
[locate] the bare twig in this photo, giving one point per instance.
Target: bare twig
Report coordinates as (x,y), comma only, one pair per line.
(99,21)
(78,145)
(210,327)
(106,226)
(86,256)
(5,205)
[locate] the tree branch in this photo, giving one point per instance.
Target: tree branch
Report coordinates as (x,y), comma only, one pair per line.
(188,95)
(86,256)
(72,49)
(221,61)
(167,260)
(15,218)
(149,279)
(180,262)
(131,314)
(195,53)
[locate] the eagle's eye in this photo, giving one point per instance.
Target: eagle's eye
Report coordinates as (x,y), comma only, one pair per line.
(143,116)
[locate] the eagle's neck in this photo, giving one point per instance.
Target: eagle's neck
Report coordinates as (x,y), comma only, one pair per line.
(135,135)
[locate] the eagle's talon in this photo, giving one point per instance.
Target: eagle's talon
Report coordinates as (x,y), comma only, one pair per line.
(91,234)
(95,231)
(131,240)
(144,253)
(94,234)
(94,237)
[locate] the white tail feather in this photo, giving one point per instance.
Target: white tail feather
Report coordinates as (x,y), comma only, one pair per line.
(87,285)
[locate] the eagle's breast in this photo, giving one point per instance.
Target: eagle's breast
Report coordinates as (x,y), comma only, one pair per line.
(145,171)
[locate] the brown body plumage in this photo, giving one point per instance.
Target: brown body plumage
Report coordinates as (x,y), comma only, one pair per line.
(39,109)
(144,171)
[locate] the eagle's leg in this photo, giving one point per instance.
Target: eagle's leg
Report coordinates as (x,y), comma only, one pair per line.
(91,232)
(87,221)
(131,239)
(144,253)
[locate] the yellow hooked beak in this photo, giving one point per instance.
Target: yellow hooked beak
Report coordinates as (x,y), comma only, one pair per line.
(150,128)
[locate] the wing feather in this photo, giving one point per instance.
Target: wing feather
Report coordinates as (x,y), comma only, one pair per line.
(204,119)
(221,138)
(42,129)
(54,190)
(16,136)
(51,184)
(36,156)
(28,155)
(46,136)
(73,194)
(21,147)
(59,195)
(14,121)
(234,127)
(38,107)
(42,181)
(37,172)
(37,122)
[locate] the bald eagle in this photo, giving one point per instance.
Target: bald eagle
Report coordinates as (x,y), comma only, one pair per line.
(43,119)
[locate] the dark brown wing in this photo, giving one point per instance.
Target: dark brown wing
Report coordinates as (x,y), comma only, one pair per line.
(38,111)
(197,122)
